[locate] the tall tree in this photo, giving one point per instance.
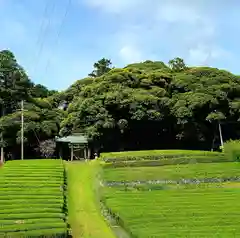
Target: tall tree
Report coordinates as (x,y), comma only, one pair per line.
(14,85)
(146,106)
(41,117)
(101,67)
(177,64)
(40,91)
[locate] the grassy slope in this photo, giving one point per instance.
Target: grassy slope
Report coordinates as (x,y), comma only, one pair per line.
(205,212)
(213,170)
(31,198)
(84,213)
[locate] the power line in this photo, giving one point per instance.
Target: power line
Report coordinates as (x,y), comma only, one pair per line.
(43,31)
(59,32)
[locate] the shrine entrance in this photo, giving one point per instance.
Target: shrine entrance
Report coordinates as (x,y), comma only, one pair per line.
(73,147)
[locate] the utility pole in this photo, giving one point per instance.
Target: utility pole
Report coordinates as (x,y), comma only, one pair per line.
(22,132)
(220,133)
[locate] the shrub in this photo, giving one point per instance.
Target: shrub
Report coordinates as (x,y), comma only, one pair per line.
(166,161)
(161,155)
(47,148)
(232,150)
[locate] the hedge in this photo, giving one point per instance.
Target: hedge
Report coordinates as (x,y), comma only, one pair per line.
(232,150)
(46,233)
(157,155)
(28,227)
(166,161)
(32,198)
(32,210)
(31,205)
(22,216)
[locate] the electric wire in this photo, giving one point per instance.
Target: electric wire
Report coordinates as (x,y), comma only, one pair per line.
(59,33)
(43,31)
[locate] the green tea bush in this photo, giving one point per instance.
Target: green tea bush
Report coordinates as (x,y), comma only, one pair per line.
(32,199)
(45,233)
(232,150)
(160,155)
(167,161)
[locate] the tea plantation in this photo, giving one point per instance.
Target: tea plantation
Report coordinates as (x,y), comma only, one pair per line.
(184,196)
(32,199)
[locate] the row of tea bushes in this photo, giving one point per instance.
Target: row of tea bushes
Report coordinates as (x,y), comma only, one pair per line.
(32,198)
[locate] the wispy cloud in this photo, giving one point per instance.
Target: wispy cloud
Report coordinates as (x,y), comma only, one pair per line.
(113,6)
(130,54)
(154,27)
(200,31)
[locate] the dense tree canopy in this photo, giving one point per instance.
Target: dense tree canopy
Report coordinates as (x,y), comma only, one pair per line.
(150,105)
(101,67)
(41,117)
(142,106)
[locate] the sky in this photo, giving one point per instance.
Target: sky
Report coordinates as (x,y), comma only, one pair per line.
(58,41)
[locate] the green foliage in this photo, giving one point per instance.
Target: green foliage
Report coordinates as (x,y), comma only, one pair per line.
(175,212)
(144,105)
(32,199)
(85,216)
(101,67)
(177,106)
(177,65)
(158,155)
(41,118)
(232,150)
(128,195)
(172,173)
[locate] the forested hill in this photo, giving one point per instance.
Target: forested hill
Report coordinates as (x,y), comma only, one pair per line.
(41,117)
(142,106)
(153,105)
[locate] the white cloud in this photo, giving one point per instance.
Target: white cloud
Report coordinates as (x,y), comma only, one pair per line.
(130,54)
(176,11)
(166,27)
(203,54)
(112,6)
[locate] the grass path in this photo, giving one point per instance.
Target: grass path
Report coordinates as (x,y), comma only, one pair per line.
(84,213)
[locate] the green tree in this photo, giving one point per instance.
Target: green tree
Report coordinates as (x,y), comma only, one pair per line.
(145,106)
(101,67)
(177,64)
(41,117)
(40,91)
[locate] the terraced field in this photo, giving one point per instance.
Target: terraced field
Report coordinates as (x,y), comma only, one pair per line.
(199,212)
(174,172)
(147,209)
(32,199)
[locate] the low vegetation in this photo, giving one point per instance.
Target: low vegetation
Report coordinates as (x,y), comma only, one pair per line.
(199,212)
(232,150)
(32,199)
(157,154)
(161,157)
(84,211)
(174,172)
(202,209)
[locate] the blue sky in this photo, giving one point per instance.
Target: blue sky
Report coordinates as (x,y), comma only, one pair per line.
(56,48)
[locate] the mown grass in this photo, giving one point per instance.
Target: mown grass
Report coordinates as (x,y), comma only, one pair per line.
(84,211)
(32,199)
(173,172)
(199,212)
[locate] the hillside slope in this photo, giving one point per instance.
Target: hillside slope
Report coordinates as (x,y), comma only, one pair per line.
(149,105)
